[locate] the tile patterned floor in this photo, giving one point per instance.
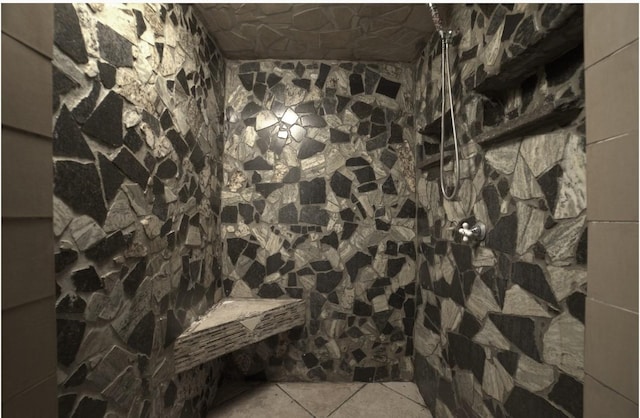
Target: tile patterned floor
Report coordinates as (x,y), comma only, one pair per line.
(305,400)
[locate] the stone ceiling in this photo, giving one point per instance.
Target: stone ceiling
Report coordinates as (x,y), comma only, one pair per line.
(359,32)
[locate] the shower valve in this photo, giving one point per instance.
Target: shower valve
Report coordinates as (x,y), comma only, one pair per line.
(476,232)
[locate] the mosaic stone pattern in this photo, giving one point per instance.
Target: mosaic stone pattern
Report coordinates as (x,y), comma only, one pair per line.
(500,324)
(352,32)
(319,203)
(137,146)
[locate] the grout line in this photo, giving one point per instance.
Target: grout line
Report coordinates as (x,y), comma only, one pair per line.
(294,399)
(401,394)
(611,138)
(610,54)
(609,387)
(609,305)
(30,47)
(347,400)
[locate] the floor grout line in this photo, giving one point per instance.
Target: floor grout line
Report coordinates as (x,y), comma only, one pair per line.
(294,399)
(347,400)
(401,394)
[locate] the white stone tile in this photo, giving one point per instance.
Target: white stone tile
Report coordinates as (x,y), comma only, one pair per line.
(376,400)
(406,389)
(320,399)
(263,401)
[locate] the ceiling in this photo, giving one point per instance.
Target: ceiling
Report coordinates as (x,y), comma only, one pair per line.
(357,32)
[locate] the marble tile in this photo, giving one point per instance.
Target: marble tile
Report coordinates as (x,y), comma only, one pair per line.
(366,403)
(257,401)
(321,399)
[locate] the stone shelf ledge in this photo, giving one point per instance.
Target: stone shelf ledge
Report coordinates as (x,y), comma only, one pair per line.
(234,323)
(542,119)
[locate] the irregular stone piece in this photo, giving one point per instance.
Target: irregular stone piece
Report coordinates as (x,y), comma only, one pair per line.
(67,33)
(85,232)
(532,278)
(141,338)
(518,302)
(70,333)
(565,281)
(114,48)
(309,147)
(130,166)
(524,185)
(388,88)
(105,123)
(504,157)
(78,185)
(572,184)
(490,336)
(108,247)
(504,235)
(532,375)
(90,407)
(312,192)
(568,393)
(522,403)
(564,345)
(520,330)
(496,383)
(67,138)
(257,163)
(530,226)
(561,241)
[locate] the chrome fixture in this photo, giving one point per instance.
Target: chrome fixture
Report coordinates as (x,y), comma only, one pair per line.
(447,39)
(476,232)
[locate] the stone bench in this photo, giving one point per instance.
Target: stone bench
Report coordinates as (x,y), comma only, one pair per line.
(234,323)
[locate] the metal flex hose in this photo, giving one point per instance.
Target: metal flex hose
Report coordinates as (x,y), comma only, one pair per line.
(446,73)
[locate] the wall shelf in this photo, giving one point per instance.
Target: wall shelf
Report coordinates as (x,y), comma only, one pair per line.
(542,119)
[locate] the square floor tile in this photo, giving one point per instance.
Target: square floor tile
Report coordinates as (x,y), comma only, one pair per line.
(378,401)
(262,401)
(321,399)
(406,389)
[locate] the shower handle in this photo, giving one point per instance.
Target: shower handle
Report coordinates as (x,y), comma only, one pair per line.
(477,232)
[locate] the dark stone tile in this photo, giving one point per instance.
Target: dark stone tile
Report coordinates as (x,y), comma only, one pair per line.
(358,355)
(270,291)
(355,263)
(509,361)
(78,185)
(331,240)
(343,101)
(361,308)
(174,328)
(378,142)
(132,140)
(82,111)
(77,378)
(90,407)
(396,136)
(581,249)
(364,374)
(321,265)
(246,80)
(362,110)
(197,158)
(134,278)
(108,246)
(467,354)
(316,303)
(492,201)
(522,403)
(576,303)
(288,214)
(388,158)
(113,47)
(167,169)
(309,147)
(67,34)
(394,265)
(177,143)
(531,278)
(365,174)
(274,262)
(525,33)
(130,166)
(312,192)
(322,75)
(339,136)
(432,320)
(64,258)
(520,330)
(408,210)
(426,378)
(356,86)
(312,121)
(71,304)
(255,275)
(293,176)
(568,393)
(549,184)
(327,282)
(504,234)
(497,18)
(303,83)
(314,215)
(273,79)
(105,123)
(469,326)
(510,24)
(229,214)
(141,338)
(265,189)
(69,337)
(364,128)
(370,80)
(388,88)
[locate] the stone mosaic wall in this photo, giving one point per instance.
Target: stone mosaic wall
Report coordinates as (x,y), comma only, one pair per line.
(499,326)
(319,203)
(137,147)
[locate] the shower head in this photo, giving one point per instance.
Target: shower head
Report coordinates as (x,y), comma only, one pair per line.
(447,35)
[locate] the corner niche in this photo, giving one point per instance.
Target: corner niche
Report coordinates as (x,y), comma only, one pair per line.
(511,108)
